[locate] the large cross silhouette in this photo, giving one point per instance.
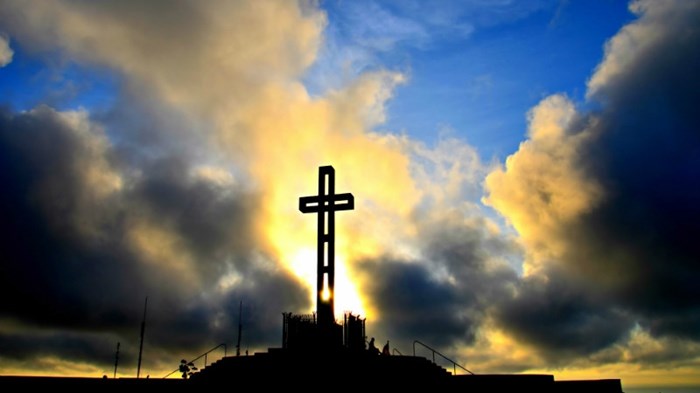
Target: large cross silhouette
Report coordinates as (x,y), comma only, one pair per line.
(326,203)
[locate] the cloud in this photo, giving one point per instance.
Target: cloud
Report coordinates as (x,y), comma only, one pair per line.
(605,200)
(637,50)
(546,176)
(379,29)
(439,283)
(195,56)
(6,52)
(367,35)
(84,240)
(562,320)
(443,297)
(383,26)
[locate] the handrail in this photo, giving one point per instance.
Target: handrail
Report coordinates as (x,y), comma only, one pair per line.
(454,364)
(199,357)
(395,351)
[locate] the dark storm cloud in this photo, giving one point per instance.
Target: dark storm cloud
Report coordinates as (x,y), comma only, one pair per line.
(213,223)
(417,306)
(45,263)
(633,256)
(443,298)
(648,156)
(30,345)
(561,319)
(70,208)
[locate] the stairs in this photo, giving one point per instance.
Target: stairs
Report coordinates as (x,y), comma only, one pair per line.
(319,371)
(268,369)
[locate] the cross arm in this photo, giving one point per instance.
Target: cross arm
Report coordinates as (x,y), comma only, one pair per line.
(323,203)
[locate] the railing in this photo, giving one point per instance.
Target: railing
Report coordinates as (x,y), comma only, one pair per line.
(434,351)
(395,351)
(204,355)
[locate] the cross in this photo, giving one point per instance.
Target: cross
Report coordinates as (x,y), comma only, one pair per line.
(326,203)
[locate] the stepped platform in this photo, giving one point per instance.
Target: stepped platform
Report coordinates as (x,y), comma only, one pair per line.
(354,367)
(319,370)
(365,370)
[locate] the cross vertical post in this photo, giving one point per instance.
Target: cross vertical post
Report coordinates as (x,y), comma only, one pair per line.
(326,203)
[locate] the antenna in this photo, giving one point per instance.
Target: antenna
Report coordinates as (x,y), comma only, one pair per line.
(240,328)
(116,361)
(143,331)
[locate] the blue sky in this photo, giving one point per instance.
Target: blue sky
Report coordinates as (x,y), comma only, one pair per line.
(30,80)
(525,173)
(473,70)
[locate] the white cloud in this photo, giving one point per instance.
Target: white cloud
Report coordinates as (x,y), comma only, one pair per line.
(6,52)
(363,34)
(634,42)
(542,186)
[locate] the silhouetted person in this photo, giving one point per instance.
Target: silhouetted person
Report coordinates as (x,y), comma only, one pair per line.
(184,368)
(385,350)
(372,349)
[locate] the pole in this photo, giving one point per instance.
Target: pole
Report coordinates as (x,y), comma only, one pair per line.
(240,328)
(116,361)
(143,331)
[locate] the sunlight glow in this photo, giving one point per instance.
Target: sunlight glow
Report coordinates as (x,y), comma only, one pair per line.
(325,294)
(347,298)
(303,265)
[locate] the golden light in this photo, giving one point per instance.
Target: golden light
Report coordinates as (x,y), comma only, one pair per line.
(347,297)
(303,265)
(325,294)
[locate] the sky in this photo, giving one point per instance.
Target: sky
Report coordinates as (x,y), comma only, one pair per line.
(526,177)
